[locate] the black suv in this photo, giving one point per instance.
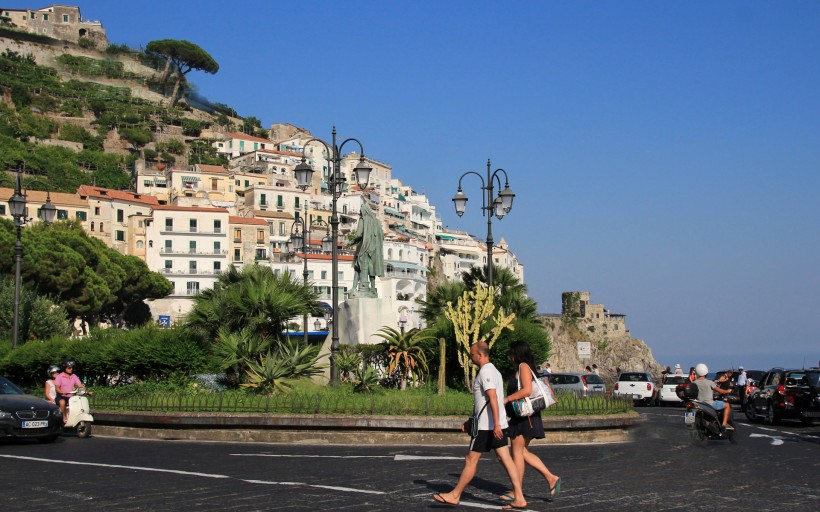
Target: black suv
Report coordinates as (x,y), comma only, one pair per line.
(781,394)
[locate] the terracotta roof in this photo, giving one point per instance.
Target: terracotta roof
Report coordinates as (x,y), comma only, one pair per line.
(212,169)
(323,256)
(246,220)
(247,137)
(189,209)
(85,191)
(38,196)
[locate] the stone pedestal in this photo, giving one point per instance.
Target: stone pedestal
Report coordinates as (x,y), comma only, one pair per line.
(360,318)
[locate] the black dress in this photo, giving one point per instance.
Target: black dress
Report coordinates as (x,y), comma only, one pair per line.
(531,427)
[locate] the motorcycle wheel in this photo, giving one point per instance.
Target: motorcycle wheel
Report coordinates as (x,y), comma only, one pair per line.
(772,418)
(83,429)
(750,414)
(697,434)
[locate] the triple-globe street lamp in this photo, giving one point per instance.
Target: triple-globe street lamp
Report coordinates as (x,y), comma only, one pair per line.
(494,205)
(336,182)
(17,208)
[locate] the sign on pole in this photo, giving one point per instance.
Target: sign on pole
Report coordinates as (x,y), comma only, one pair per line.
(584,349)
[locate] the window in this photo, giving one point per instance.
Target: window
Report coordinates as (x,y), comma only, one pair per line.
(92,226)
(119,235)
(168,265)
(214,183)
(192,225)
(96,210)
(217,247)
(3,209)
(280,201)
(297,202)
(237,235)
(140,244)
(238,183)
(261,254)
(192,247)
(247,183)
(324,274)
(45,17)
(237,254)
(169,247)
(270,227)
(193,288)
(217,226)
(120,216)
(217,267)
(65,18)
(282,231)
(82,216)
(260,236)
(102,230)
(147,183)
(169,224)
(62,214)
(192,267)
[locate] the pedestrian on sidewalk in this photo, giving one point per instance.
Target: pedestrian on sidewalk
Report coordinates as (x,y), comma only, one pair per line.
(488,389)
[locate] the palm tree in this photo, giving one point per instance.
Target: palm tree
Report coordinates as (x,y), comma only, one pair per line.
(406,352)
(255,299)
(511,293)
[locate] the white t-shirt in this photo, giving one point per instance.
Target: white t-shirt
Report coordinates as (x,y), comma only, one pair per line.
(489,378)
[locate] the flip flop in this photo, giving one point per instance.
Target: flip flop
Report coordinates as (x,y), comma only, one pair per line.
(513,507)
(439,498)
(555,490)
(507,497)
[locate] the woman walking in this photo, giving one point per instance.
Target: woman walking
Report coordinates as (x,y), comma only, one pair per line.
(523,430)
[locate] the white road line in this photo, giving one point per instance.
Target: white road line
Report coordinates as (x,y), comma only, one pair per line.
(311,456)
(188,473)
(776,440)
(425,457)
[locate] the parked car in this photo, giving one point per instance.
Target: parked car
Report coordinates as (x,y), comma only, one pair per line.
(786,394)
(583,384)
(666,392)
(26,416)
(638,385)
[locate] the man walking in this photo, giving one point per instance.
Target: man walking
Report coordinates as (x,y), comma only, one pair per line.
(742,384)
(488,388)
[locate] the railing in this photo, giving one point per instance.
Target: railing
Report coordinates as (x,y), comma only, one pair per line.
(354,404)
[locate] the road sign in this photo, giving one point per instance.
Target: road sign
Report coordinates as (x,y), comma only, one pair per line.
(164,320)
(584,349)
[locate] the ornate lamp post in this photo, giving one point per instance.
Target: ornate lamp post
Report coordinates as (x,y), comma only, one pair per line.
(17,208)
(336,182)
(494,205)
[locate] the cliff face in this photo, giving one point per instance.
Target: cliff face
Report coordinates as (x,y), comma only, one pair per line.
(610,349)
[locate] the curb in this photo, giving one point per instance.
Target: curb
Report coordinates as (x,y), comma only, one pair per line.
(343,429)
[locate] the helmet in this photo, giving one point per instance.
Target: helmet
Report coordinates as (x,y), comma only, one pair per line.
(701,370)
(69,364)
(52,369)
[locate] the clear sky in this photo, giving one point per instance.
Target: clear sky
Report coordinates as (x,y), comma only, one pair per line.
(664,154)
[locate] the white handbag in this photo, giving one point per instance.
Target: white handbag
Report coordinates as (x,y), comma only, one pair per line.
(526,407)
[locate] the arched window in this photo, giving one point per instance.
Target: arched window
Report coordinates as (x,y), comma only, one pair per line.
(150,244)
(101,228)
(140,244)
(389,251)
(92,226)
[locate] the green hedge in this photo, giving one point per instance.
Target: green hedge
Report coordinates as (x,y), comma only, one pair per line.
(109,357)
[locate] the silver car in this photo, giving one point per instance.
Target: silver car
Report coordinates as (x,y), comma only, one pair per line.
(583,384)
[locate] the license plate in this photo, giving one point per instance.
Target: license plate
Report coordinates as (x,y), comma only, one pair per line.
(35,424)
(637,397)
(689,418)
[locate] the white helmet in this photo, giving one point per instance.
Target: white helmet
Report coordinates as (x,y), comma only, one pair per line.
(701,370)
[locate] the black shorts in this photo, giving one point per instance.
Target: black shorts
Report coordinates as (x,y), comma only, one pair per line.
(486,441)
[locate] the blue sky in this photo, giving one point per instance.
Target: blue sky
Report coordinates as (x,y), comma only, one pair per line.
(664,155)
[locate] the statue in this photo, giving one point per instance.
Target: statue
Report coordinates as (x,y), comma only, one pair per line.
(369,260)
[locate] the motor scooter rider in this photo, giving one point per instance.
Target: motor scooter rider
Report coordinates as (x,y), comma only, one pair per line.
(706,387)
(66,383)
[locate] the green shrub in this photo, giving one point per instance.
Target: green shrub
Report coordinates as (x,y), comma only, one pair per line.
(138,136)
(86,43)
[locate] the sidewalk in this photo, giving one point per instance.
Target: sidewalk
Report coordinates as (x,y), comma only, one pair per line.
(344,429)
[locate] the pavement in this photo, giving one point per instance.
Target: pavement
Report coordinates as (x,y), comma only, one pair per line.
(342,429)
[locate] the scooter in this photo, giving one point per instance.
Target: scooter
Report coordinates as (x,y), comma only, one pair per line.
(79,413)
(704,422)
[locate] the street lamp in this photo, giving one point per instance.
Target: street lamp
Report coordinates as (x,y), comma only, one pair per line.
(336,183)
(494,206)
(17,208)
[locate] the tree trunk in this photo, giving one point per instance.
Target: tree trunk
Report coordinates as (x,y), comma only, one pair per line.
(442,368)
(176,90)
(166,72)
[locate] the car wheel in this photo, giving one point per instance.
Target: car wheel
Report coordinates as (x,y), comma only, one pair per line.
(83,429)
(772,418)
(48,439)
(750,414)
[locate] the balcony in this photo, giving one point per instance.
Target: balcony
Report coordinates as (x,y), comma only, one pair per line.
(217,253)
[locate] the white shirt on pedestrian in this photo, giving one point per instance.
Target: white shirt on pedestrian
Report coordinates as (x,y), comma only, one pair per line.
(489,378)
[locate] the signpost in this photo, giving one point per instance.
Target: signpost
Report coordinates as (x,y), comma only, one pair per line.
(584,349)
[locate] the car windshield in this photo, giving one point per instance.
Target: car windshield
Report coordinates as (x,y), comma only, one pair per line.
(676,379)
(813,379)
(801,378)
(633,377)
(593,379)
(563,379)
(7,388)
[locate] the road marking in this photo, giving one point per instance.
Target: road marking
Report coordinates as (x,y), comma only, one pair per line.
(397,458)
(188,473)
(776,440)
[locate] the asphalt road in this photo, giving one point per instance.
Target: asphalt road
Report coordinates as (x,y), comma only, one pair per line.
(771,468)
